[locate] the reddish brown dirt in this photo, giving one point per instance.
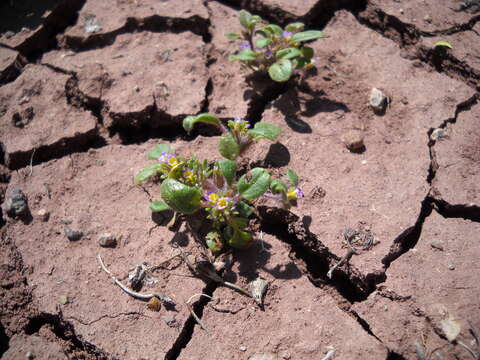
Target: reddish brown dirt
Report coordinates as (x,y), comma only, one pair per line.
(86,89)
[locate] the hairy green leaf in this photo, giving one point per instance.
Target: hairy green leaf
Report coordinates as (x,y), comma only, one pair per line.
(292,177)
(159,206)
(264,130)
(307,52)
(308,35)
(256,186)
(278,186)
(240,239)
(295,27)
(157,151)
(245,18)
(244,209)
(244,55)
(288,53)
(190,121)
(273,29)
(228,147)
(281,70)
(262,42)
(180,197)
(228,169)
(147,172)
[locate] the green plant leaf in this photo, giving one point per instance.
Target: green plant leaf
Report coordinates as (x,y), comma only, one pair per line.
(245,18)
(257,186)
(147,172)
(308,35)
(278,186)
(300,62)
(281,70)
(232,36)
(264,130)
(190,121)
(244,55)
(288,53)
(244,209)
(214,241)
(180,197)
(273,29)
(295,27)
(262,42)
(292,177)
(307,52)
(228,147)
(159,206)
(255,19)
(443,44)
(228,169)
(157,151)
(240,239)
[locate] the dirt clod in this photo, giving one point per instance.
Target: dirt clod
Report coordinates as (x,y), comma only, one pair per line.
(17,205)
(353,140)
(107,240)
(72,235)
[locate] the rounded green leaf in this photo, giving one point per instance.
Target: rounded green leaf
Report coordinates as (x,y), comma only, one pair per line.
(180,197)
(245,18)
(443,43)
(254,184)
(228,147)
(244,209)
(288,53)
(214,241)
(278,186)
(292,177)
(308,35)
(232,36)
(307,52)
(244,55)
(190,121)
(159,206)
(262,42)
(228,169)
(147,172)
(157,151)
(295,27)
(255,19)
(240,239)
(264,130)
(273,29)
(281,70)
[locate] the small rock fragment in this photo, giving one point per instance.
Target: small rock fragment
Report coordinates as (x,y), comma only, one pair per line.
(137,276)
(72,235)
(353,140)
(107,240)
(451,267)
(438,134)
(286,355)
(265,356)
(451,329)
(169,319)
(378,100)
(63,300)
(437,244)
(16,205)
(427,18)
(154,304)
(43,215)
(243,348)
(258,288)
(30,355)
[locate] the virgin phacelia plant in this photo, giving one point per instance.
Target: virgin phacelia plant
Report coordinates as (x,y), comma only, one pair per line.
(268,47)
(189,185)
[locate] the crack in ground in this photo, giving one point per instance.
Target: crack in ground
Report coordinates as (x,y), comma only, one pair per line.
(191,324)
(64,330)
(154,23)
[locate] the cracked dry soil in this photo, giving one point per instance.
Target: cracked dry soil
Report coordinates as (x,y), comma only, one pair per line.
(87,87)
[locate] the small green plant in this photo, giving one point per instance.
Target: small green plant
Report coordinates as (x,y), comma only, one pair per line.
(268,47)
(189,185)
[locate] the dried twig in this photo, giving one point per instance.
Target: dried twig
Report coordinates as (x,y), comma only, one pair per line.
(106,316)
(473,353)
(197,319)
(31,162)
(163,298)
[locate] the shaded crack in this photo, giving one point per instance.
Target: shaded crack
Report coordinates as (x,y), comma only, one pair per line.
(64,330)
(469,25)
(191,324)
(154,23)
(447,210)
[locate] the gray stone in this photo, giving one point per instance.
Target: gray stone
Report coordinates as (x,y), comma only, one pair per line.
(72,235)
(107,240)
(353,140)
(43,215)
(378,100)
(16,205)
(451,267)
(169,319)
(437,244)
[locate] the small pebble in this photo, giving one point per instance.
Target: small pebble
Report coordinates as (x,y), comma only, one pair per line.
(378,100)
(30,356)
(451,267)
(63,300)
(154,304)
(107,240)
(437,134)
(353,140)
(16,205)
(427,18)
(243,348)
(286,355)
(43,215)
(72,235)
(169,319)
(437,244)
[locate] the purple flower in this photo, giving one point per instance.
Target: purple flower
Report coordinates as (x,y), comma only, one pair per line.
(169,159)
(245,46)
(287,34)
(223,202)
(295,193)
(240,121)
(299,192)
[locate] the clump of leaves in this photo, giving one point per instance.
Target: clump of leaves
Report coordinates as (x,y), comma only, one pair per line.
(189,185)
(268,47)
